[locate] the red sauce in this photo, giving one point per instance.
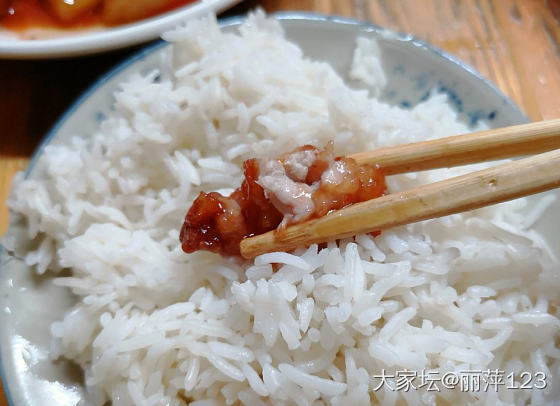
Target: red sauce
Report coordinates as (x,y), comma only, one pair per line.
(218,224)
(19,15)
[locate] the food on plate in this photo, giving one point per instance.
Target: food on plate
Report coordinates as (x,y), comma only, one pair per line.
(28,14)
(68,11)
(443,300)
(4,7)
(124,11)
(305,183)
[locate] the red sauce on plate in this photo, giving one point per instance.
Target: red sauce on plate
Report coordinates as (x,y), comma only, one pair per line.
(218,223)
(19,15)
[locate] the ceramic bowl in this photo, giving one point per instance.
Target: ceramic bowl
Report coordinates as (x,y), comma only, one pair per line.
(29,303)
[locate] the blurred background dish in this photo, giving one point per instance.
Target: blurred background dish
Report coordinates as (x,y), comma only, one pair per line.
(34,29)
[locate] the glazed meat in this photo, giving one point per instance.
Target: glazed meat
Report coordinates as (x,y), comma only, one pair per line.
(218,223)
(303,184)
(124,11)
(5,7)
(67,11)
(20,15)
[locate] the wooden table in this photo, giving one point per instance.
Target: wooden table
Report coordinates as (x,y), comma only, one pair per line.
(514,43)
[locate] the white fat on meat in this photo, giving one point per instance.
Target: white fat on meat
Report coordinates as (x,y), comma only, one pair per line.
(335,173)
(297,164)
(284,184)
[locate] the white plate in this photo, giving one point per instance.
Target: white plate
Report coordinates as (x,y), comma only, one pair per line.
(83,42)
(29,304)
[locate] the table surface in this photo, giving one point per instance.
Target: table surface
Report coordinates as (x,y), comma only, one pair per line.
(514,43)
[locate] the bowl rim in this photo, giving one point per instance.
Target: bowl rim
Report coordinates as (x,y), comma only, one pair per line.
(235,21)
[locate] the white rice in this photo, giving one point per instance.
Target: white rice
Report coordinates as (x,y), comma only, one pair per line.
(467,292)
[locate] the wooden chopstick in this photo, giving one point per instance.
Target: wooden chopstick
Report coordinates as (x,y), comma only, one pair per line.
(462,193)
(507,142)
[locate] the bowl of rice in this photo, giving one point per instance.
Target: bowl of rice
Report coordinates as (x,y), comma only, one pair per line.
(101,306)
